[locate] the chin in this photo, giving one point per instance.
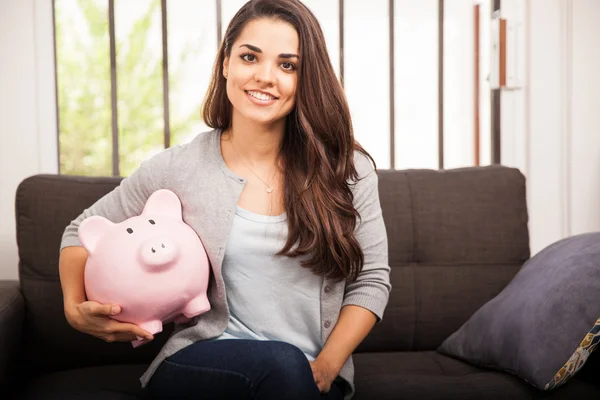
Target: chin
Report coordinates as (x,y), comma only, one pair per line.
(261,119)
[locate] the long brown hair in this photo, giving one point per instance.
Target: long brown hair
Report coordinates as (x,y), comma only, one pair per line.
(318,145)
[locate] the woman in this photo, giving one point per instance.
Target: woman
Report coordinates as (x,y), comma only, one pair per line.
(286,204)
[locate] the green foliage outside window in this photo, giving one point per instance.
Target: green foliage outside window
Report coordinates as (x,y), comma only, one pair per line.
(84,90)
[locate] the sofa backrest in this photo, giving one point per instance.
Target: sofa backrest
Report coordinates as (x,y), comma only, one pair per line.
(456,238)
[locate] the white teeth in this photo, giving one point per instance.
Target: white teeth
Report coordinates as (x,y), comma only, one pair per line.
(261,96)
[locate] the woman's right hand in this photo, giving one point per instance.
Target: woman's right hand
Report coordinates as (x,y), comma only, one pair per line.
(94,319)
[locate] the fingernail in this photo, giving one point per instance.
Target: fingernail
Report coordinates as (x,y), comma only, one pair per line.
(114,310)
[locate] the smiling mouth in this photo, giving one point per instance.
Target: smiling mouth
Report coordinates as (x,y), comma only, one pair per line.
(260,96)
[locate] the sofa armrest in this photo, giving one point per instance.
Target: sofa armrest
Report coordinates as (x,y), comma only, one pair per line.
(12,312)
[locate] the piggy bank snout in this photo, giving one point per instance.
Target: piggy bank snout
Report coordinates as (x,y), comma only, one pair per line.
(158,252)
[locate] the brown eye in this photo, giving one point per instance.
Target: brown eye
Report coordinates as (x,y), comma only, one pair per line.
(129,230)
(248,57)
(288,66)
(151,221)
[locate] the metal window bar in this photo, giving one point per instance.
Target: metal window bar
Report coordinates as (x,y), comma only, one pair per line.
(476,86)
(219,8)
(440,84)
(495,111)
(391,15)
(56,87)
(165,55)
(341,30)
(113,88)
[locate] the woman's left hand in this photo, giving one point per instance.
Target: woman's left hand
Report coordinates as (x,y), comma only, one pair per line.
(323,374)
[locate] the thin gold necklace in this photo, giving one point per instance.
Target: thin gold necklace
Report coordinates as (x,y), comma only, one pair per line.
(269,188)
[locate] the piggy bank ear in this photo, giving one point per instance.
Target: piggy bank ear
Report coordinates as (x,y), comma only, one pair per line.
(91,230)
(163,202)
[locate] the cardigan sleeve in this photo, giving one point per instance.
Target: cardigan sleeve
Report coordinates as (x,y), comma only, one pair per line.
(126,200)
(372,287)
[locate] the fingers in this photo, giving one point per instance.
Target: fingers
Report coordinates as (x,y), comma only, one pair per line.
(123,332)
(316,377)
(96,321)
(119,337)
(99,310)
(321,387)
(131,329)
(321,383)
(110,329)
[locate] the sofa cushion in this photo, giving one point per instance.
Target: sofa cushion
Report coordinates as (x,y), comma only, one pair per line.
(393,375)
(12,309)
(456,238)
(105,382)
(428,375)
(429,302)
(545,323)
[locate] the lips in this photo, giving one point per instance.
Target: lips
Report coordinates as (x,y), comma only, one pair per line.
(257,94)
(263,101)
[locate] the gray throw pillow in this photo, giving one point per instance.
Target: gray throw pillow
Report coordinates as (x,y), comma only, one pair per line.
(545,323)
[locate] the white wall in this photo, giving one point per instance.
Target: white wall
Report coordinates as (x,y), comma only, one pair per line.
(27,109)
(459,85)
(584,121)
(551,127)
(513,99)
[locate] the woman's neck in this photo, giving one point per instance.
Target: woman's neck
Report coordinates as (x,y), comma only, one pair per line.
(259,144)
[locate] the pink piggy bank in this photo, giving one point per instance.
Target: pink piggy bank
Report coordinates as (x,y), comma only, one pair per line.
(153,266)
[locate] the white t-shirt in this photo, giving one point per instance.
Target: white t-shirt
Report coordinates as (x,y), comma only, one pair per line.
(270,297)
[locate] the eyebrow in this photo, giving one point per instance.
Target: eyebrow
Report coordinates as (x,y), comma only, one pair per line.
(282,55)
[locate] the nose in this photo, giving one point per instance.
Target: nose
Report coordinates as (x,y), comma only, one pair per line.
(264,74)
(158,252)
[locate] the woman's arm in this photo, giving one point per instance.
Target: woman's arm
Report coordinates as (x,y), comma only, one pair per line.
(71,267)
(366,298)
(352,327)
(126,200)
(372,287)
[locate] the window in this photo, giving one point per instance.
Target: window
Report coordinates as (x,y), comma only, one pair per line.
(131,76)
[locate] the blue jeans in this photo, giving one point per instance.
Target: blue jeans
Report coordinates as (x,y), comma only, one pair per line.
(238,369)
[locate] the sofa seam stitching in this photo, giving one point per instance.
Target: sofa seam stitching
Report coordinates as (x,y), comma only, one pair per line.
(413,258)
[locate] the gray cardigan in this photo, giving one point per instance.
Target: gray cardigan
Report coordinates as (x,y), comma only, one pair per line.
(209,193)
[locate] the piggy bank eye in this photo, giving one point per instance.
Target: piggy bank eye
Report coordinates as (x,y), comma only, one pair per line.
(151,221)
(129,230)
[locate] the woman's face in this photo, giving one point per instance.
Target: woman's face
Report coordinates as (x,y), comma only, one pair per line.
(261,71)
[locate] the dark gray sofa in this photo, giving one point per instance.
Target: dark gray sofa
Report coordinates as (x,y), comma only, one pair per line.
(456,238)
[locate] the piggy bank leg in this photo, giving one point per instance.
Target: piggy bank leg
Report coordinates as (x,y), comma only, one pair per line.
(137,343)
(196,306)
(153,327)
